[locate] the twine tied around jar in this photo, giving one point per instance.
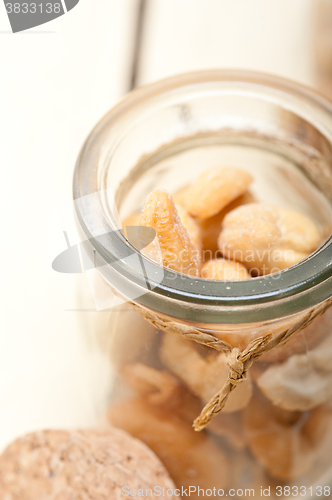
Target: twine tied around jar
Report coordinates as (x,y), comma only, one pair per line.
(238,361)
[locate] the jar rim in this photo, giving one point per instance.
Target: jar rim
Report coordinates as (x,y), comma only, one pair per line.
(301,286)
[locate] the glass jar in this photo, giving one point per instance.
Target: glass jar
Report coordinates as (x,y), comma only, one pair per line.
(274,435)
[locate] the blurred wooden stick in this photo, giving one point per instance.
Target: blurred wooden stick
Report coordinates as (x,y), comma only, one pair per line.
(323,46)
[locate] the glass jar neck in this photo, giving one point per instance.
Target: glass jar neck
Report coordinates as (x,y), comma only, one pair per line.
(255,107)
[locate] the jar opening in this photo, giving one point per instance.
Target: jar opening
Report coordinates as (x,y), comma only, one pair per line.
(251,120)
